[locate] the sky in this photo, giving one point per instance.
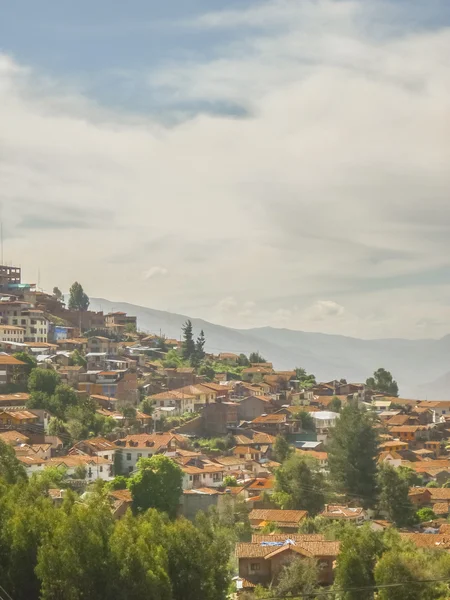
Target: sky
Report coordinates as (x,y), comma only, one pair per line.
(252,163)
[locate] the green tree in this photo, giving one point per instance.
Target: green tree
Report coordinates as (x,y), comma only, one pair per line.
(425,514)
(78,299)
(57,293)
(256,357)
(157,484)
(306,420)
(229,481)
(305,379)
(243,361)
(359,551)
(74,560)
(78,359)
(200,346)
(63,398)
(382,381)
(207,371)
(118,483)
(282,449)
(28,359)
(188,344)
(352,454)
(11,470)
(300,485)
(56,426)
(43,380)
(393,496)
(80,472)
(335,404)
(297,578)
(147,406)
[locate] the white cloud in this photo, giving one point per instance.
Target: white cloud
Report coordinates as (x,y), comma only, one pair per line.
(154,272)
(335,186)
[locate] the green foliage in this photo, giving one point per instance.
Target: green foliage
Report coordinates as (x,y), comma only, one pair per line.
(28,359)
(78,359)
(306,420)
(282,449)
(298,578)
(432,484)
(188,344)
(43,380)
(410,476)
(360,549)
(80,472)
(229,481)
(352,454)
(306,380)
(255,357)
(425,514)
(118,483)
(57,293)
(173,360)
(207,371)
(269,528)
(78,300)
(199,353)
(335,405)
(313,525)
(11,470)
(393,496)
(147,406)
(243,361)
(56,426)
(300,485)
(382,381)
(157,484)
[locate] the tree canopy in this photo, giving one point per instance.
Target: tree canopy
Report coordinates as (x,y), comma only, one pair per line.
(382,381)
(300,485)
(256,357)
(78,299)
(352,454)
(393,497)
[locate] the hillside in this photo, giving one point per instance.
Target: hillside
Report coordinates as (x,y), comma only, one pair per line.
(412,362)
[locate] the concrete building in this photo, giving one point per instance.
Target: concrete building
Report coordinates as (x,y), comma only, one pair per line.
(11,333)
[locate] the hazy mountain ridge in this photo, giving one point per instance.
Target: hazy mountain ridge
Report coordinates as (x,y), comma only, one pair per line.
(412,362)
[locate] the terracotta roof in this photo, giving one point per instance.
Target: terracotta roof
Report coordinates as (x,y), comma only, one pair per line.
(441,508)
(428,540)
(406,429)
(274,418)
(229,460)
(98,444)
(313,453)
(245,450)
(205,468)
(262,483)
(258,438)
(206,491)
(124,495)
(398,420)
(445,529)
(440,494)
(10,437)
(393,444)
(342,512)
(6,359)
(312,548)
(14,397)
(19,415)
(145,440)
(277,516)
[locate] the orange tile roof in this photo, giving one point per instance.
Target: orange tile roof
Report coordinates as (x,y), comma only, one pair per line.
(428,540)
(146,440)
(441,508)
(277,515)
(320,547)
(262,483)
(274,418)
(6,359)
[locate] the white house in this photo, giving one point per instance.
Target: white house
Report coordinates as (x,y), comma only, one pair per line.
(324,420)
(144,445)
(96,467)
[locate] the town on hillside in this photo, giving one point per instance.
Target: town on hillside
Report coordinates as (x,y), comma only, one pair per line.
(130,461)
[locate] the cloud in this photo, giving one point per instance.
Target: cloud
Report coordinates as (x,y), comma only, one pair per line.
(154,272)
(324,309)
(334,185)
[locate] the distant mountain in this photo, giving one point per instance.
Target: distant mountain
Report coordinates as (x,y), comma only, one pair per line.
(412,362)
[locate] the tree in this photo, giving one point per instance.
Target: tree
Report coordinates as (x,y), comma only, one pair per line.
(56,426)
(43,380)
(300,485)
(147,406)
(243,361)
(63,398)
(57,293)
(11,470)
(335,405)
(255,357)
(282,449)
(188,344)
(207,371)
(118,483)
(28,359)
(78,359)
(80,472)
(359,551)
(229,481)
(200,346)
(393,496)
(298,578)
(157,484)
(305,379)
(78,300)
(382,381)
(306,420)
(352,454)
(425,514)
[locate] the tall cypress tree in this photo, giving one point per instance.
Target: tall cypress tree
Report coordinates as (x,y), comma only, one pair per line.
(352,455)
(188,345)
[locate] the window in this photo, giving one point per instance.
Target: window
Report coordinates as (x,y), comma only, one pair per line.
(101,468)
(105,456)
(128,456)
(190,477)
(139,455)
(255,567)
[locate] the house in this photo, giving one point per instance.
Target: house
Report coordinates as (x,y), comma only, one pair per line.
(408,433)
(100,344)
(121,501)
(118,322)
(286,520)
(18,417)
(72,344)
(391,457)
(182,403)
(232,463)
(9,367)
(218,417)
(429,541)
(98,446)
(321,457)
(205,475)
(393,446)
(254,406)
(119,384)
(261,560)
(18,399)
(14,438)
(37,450)
(96,467)
(229,358)
(324,420)
(336,512)
(256,373)
(399,420)
(260,485)
(134,447)
(11,333)
(273,424)
(247,453)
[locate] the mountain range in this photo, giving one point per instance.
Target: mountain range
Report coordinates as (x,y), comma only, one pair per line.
(421,367)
